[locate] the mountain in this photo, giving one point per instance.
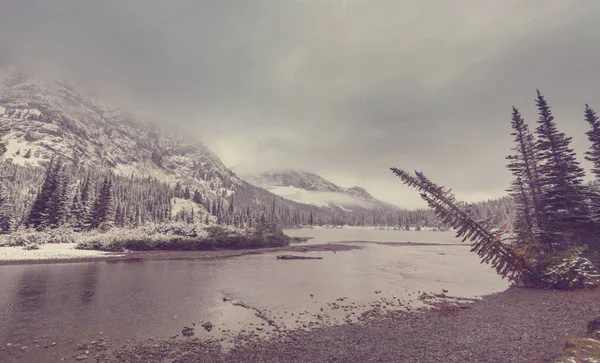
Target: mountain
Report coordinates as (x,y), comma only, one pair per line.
(49,119)
(310,188)
(157,176)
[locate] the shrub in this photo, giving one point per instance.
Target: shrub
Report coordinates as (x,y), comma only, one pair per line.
(26,237)
(33,246)
(182,238)
(593,324)
(563,270)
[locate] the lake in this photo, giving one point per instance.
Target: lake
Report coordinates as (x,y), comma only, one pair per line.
(144,299)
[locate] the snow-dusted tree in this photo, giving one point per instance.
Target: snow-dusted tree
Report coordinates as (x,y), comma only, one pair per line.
(563,196)
(102,211)
(488,244)
(40,212)
(6,210)
(58,204)
(593,154)
(525,187)
(4,129)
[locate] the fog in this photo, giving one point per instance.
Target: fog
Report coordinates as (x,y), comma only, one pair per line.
(345,89)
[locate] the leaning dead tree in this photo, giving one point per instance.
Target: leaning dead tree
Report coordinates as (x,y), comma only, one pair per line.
(486,240)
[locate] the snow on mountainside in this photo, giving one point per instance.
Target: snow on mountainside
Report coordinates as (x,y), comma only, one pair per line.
(310,188)
(52,118)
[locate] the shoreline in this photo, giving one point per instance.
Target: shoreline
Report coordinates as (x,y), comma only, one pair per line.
(37,256)
(517,325)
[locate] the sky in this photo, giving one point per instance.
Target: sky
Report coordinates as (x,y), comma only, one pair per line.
(342,88)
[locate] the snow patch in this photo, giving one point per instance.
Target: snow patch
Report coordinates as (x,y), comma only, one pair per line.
(48,252)
(321,199)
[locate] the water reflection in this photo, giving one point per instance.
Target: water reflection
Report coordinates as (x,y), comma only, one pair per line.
(88,284)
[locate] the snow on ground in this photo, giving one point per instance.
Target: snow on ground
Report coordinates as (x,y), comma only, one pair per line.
(48,251)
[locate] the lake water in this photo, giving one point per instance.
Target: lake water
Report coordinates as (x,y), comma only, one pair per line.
(144,299)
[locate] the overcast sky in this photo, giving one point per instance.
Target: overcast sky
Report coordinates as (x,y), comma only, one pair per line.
(345,89)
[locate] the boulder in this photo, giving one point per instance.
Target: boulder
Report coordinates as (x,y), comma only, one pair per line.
(207,325)
(187,332)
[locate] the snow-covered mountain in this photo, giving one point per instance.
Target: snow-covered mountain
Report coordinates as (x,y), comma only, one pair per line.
(52,118)
(310,188)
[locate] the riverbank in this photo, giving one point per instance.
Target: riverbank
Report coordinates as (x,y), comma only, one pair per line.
(67,253)
(519,325)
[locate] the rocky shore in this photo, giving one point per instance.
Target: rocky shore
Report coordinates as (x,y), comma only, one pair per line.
(519,325)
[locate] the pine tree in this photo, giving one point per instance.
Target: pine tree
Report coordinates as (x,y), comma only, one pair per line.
(593,154)
(6,210)
(57,208)
(486,243)
(103,207)
(525,188)
(566,216)
(39,213)
(6,207)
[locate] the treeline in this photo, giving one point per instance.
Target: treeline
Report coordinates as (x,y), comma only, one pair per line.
(556,209)
(64,195)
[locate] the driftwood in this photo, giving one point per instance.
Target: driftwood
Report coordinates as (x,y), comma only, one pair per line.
(291,257)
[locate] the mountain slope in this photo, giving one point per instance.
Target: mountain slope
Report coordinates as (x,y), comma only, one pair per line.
(48,119)
(310,188)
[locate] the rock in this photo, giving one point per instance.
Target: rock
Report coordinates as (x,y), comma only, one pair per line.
(53,344)
(445,291)
(236,303)
(207,325)
(173,336)
(187,332)
(9,345)
(81,357)
(35,342)
(441,296)
(291,257)
(225,299)
(24,348)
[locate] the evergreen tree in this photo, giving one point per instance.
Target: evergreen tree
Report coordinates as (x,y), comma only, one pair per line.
(103,207)
(42,206)
(525,188)
(3,131)
(6,207)
(6,210)
(593,154)
(563,197)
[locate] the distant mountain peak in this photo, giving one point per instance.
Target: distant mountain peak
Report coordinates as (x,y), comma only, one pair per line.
(308,187)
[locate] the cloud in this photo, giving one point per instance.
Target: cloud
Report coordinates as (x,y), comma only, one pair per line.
(342,88)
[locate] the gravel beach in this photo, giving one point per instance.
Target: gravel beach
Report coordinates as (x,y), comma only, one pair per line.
(519,325)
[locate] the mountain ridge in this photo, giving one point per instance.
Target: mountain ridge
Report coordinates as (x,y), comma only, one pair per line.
(311,188)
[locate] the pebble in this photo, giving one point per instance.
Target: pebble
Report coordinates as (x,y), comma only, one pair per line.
(53,344)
